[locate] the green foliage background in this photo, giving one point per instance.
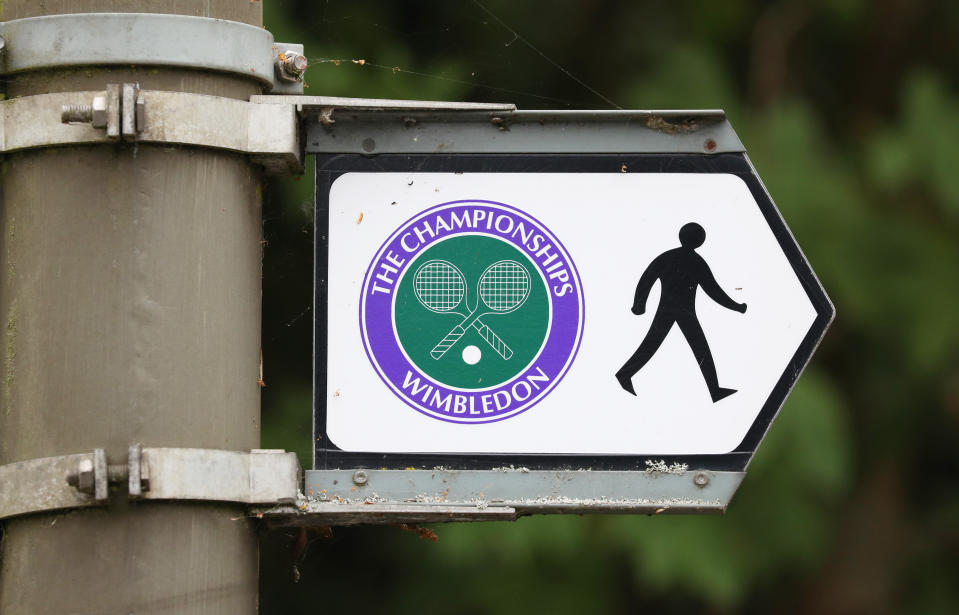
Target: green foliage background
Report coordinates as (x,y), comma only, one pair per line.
(850,112)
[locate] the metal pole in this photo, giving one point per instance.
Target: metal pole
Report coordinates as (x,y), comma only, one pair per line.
(129,312)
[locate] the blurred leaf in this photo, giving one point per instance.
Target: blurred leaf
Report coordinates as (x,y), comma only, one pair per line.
(920,152)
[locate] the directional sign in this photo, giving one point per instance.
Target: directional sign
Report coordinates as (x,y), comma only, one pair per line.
(580,311)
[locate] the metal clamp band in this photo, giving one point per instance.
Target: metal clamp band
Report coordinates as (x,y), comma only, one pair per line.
(82,480)
(149,39)
(268,133)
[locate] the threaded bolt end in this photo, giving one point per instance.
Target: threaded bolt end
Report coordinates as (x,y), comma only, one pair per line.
(76,114)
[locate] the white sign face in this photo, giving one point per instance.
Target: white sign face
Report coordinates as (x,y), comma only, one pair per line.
(554,313)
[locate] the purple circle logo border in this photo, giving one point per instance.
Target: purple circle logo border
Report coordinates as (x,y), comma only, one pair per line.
(574,341)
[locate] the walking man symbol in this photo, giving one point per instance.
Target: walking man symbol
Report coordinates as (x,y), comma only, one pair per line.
(680,271)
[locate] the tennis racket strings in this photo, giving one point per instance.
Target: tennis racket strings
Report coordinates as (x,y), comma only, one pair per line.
(439,286)
(504,286)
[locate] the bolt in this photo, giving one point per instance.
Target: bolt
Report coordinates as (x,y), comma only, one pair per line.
(709,145)
(84,478)
(701,479)
(292,65)
(368,144)
(117,473)
(95,114)
(360,477)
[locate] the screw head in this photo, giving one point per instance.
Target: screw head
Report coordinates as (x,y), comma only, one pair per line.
(701,479)
(360,477)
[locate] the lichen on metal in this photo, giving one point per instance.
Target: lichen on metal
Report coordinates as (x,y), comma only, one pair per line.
(673,490)
(661,467)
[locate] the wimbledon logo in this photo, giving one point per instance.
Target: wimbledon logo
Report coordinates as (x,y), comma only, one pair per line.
(471,312)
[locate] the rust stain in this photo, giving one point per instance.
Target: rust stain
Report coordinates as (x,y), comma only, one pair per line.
(423,532)
(622,169)
(672,127)
(259,380)
(360,219)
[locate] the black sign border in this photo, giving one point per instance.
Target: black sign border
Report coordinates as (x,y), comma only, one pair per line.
(328,167)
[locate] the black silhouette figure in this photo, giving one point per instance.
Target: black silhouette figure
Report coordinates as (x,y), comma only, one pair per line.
(680,271)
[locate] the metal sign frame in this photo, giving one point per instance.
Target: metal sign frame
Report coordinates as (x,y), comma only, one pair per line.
(500,140)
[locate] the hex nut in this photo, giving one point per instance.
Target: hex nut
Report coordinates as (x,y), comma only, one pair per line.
(99,111)
(701,479)
(360,477)
(85,476)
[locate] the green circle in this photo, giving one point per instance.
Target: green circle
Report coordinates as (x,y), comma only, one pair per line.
(420,329)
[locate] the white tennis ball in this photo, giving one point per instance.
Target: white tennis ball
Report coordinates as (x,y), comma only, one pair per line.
(472,355)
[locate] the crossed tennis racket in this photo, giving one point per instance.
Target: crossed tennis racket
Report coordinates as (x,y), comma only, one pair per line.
(441,288)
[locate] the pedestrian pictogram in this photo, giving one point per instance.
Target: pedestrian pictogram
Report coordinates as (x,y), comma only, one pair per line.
(680,272)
